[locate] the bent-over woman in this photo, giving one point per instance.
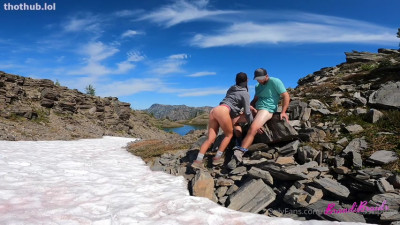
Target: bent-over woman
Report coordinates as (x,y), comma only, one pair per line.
(233,109)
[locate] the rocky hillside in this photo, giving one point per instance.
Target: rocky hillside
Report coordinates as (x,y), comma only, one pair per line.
(37,109)
(176,112)
(337,159)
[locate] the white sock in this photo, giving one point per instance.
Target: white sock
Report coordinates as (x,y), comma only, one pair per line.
(200,157)
(219,154)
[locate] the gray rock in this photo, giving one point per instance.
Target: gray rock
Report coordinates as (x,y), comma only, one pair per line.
(296,109)
(224,182)
(395,180)
(306,114)
(392,200)
(390,216)
(261,174)
(319,207)
(355,56)
(258,147)
(296,197)
(354,129)
(306,154)
(384,186)
(221,191)
(276,130)
(253,197)
(203,185)
(239,171)
(232,189)
(356,160)
(374,115)
(332,187)
(356,145)
(359,99)
(289,149)
(387,96)
(344,141)
(316,104)
(383,157)
(312,135)
(360,111)
(286,173)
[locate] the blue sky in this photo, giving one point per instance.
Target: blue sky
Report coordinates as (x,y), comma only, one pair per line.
(187,52)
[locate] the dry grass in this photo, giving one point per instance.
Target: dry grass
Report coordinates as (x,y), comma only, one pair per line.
(149,149)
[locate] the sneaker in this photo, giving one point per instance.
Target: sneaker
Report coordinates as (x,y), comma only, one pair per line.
(238,154)
(218,161)
(198,165)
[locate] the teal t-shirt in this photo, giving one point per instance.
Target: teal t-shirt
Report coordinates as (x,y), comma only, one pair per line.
(269,94)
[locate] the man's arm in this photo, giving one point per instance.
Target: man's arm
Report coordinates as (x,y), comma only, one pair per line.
(285,105)
(253,105)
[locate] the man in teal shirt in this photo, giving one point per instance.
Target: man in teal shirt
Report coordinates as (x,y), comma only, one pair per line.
(269,90)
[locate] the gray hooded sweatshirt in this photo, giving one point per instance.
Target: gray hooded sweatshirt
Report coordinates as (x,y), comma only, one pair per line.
(238,98)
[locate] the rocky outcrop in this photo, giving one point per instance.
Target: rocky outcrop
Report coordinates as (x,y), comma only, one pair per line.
(387,96)
(176,112)
(334,152)
(37,109)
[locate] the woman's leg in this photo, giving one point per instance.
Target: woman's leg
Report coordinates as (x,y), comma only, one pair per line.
(237,129)
(225,122)
(213,128)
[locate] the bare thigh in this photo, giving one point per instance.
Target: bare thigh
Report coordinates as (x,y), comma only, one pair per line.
(221,114)
(261,118)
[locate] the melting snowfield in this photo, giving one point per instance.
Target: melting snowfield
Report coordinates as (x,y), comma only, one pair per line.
(97,182)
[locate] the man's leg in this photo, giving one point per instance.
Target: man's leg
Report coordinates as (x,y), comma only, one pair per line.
(261,118)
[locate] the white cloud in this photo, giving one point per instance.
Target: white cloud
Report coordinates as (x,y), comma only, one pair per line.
(130,33)
(130,87)
(202,92)
(178,56)
(182,11)
(83,22)
(194,92)
(172,64)
(304,28)
(98,51)
(135,56)
(127,13)
(202,74)
(95,53)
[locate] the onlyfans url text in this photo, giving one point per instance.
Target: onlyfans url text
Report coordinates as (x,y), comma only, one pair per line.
(29,7)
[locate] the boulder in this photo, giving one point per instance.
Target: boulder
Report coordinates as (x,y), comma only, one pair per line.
(261,174)
(289,149)
(253,197)
(352,57)
(386,97)
(276,130)
(383,157)
(384,186)
(392,200)
(356,145)
(332,187)
(203,185)
(297,172)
